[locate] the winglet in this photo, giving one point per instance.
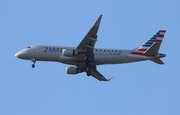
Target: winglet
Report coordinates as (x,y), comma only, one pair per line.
(106,79)
(97,23)
(110,79)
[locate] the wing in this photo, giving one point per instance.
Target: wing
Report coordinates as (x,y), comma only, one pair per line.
(88,42)
(98,75)
(86,47)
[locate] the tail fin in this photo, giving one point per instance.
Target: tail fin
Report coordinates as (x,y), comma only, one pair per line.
(151,47)
(153,50)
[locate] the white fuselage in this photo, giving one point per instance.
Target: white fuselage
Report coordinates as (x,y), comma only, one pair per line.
(101,55)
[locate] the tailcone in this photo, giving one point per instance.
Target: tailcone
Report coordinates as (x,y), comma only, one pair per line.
(160,55)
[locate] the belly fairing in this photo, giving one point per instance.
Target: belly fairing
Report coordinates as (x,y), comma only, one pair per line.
(99,58)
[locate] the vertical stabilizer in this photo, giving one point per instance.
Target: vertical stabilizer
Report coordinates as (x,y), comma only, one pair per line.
(151,47)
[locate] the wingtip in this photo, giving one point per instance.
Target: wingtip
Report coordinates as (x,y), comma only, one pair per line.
(100,17)
(109,79)
(98,21)
(106,79)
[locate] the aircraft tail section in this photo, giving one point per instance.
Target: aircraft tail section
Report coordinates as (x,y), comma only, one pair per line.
(153,50)
(151,47)
(157,60)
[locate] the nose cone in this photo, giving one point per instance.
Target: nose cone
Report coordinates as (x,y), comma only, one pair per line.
(17,55)
(20,54)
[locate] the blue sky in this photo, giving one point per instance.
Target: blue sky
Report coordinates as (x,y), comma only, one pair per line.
(142,88)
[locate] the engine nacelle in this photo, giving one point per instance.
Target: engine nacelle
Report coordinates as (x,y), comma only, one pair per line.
(72,70)
(69,52)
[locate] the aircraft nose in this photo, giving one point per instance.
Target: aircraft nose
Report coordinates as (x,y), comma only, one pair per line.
(17,54)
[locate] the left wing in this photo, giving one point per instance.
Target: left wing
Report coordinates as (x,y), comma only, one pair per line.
(88,42)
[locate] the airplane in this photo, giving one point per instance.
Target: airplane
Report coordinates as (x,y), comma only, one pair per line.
(85,57)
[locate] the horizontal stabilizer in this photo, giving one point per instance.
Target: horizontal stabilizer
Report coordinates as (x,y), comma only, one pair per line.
(158,61)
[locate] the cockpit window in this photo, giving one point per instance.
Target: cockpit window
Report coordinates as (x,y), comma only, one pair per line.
(29,47)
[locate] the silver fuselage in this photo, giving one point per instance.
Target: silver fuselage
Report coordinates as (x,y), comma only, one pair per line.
(101,55)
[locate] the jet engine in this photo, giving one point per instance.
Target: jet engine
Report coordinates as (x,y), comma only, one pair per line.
(69,52)
(72,70)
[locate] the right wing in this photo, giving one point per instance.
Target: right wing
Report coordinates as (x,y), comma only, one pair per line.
(98,75)
(93,72)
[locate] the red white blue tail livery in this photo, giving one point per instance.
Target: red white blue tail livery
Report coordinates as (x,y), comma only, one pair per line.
(156,39)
